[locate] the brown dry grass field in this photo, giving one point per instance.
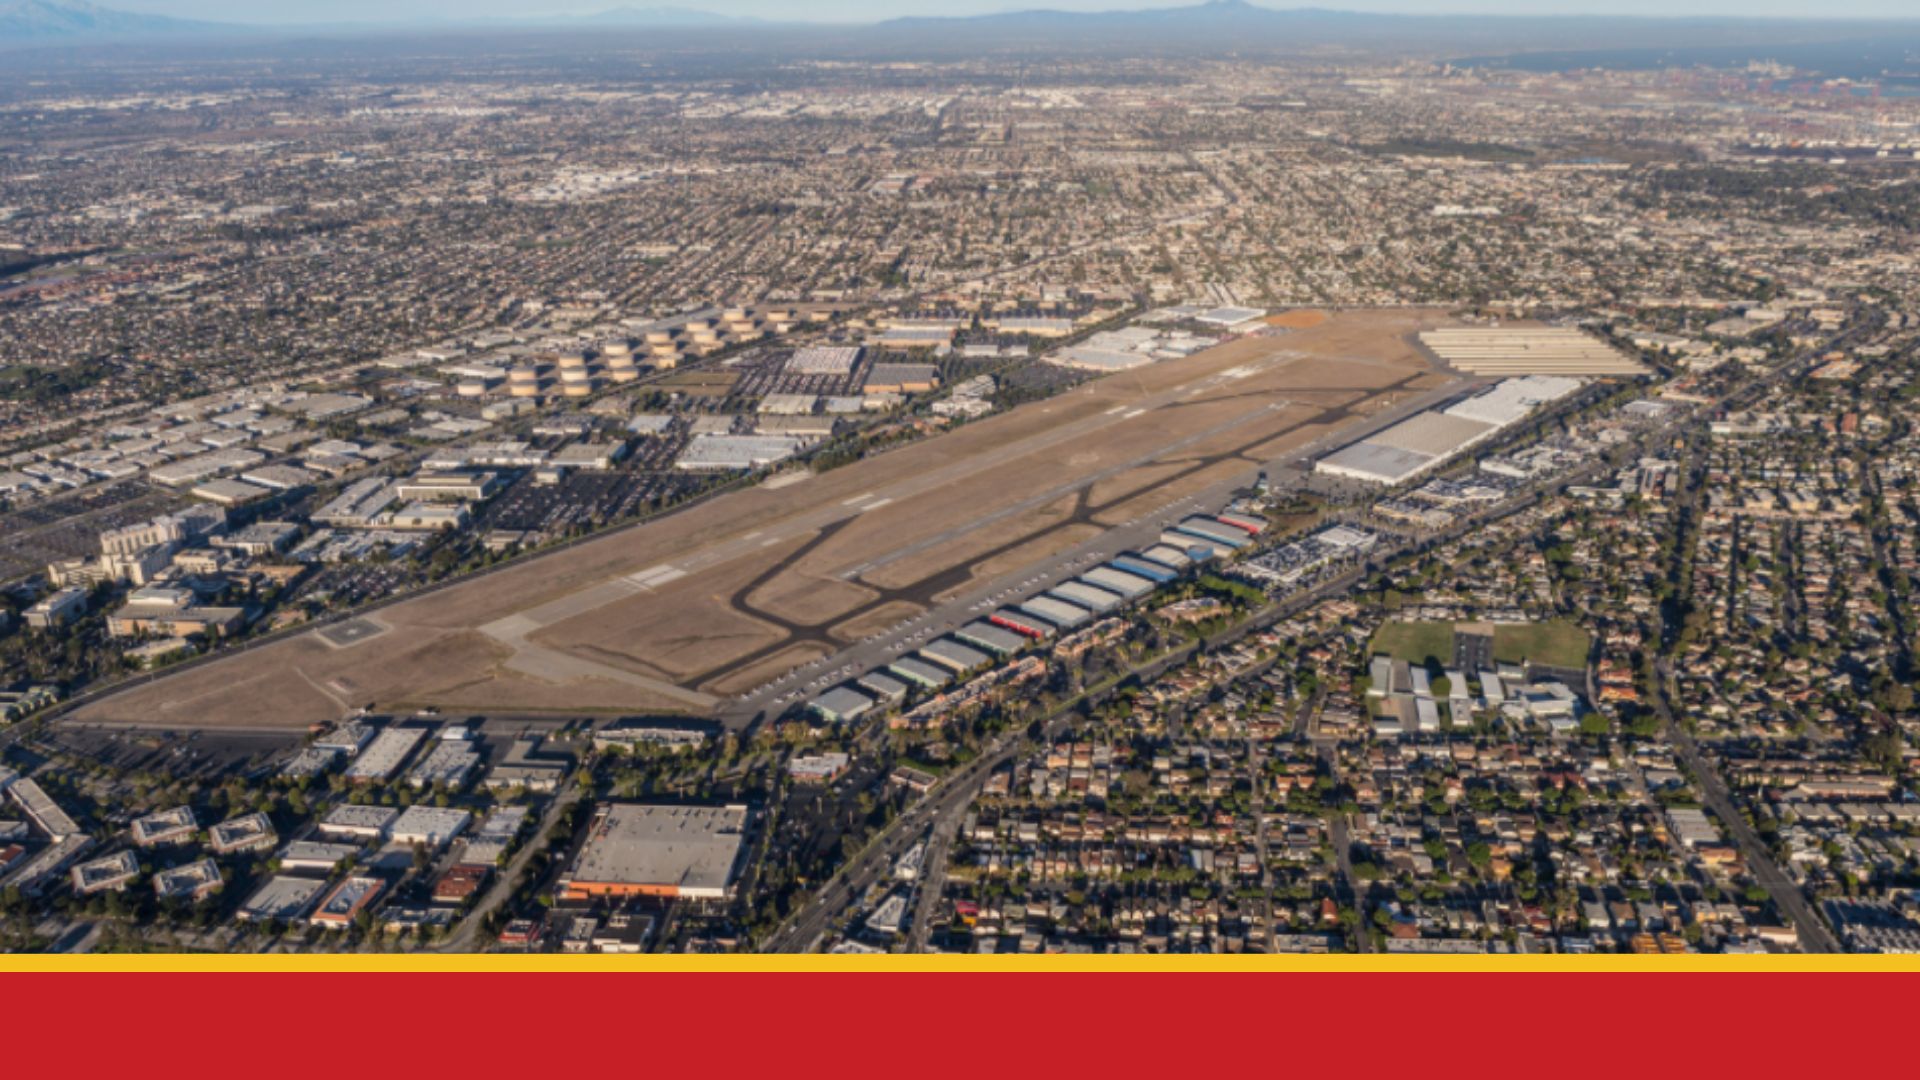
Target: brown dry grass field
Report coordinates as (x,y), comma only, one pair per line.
(651,618)
(1302,319)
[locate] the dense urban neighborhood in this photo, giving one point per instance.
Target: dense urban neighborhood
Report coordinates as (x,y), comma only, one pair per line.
(658,500)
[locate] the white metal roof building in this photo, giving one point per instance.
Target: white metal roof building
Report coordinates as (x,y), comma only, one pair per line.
(1131,586)
(365,822)
(713,452)
(434,826)
(991,638)
(42,810)
(638,849)
(1432,434)
(1098,601)
(954,655)
(1527,350)
(1229,316)
(1169,556)
(883,687)
(1511,400)
(315,855)
(841,704)
(1195,548)
(1218,534)
(823,360)
(1058,612)
(450,762)
(1374,464)
(384,755)
(921,673)
(787,404)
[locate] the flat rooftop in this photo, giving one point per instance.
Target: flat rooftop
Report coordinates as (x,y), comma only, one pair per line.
(1527,350)
(689,849)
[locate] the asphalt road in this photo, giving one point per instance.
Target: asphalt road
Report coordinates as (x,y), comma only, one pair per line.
(1786,893)
(463,937)
(837,897)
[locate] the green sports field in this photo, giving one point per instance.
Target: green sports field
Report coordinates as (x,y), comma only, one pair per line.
(1557,643)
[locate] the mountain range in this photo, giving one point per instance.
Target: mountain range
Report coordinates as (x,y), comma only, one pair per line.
(53,20)
(1223,26)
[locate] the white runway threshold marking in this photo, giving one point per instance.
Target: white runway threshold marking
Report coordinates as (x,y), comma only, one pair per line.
(656,575)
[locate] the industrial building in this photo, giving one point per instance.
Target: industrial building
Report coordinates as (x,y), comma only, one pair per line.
(1167,555)
(885,689)
(1143,567)
(315,855)
(1098,601)
(1229,316)
(42,810)
(787,404)
(954,655)
(914,337)
(384,756)
(920,673)
(281,897)
(1527,350)
(1115,580)
(901,379)
(1061,614)
(824,360)
(717,452)
(434,826)
(638,849)
(840,705)
(1214,533)
(355,822)
(525,767)
(1023,623)
(991,638)
(1374,464)
(451,762)
(1195,549)
(1425,440)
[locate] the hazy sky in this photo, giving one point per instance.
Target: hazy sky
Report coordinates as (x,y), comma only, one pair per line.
(298,11)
